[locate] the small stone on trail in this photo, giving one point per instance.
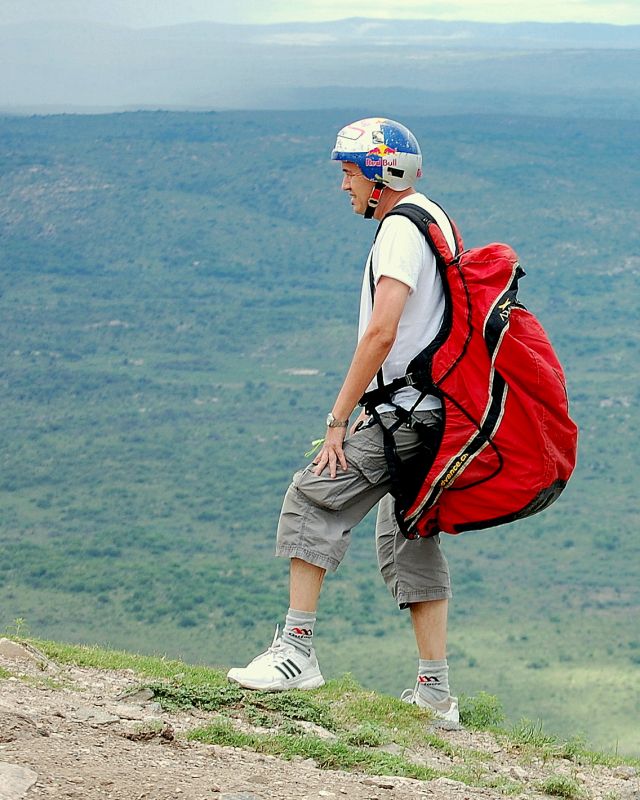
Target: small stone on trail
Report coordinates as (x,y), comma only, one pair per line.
(391,747)
(625,772)
(15,781)
(518,773)
(380,782)
(140,696)
(15,726)
(448,782)
(239,796)
(94,716)
(127,711)
(315,730)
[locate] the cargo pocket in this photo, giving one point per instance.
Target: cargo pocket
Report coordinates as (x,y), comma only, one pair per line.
(364,451)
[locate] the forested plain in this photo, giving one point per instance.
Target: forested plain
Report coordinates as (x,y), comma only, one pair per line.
(179,304)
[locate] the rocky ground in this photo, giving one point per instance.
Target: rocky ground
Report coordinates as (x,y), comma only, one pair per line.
(67,732)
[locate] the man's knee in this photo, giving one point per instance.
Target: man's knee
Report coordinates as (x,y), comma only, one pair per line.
(331,494)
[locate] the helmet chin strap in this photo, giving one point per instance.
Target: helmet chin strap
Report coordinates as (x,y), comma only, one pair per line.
(374,199)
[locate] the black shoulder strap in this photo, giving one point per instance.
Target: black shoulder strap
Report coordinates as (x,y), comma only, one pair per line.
(429,226)
(437,241)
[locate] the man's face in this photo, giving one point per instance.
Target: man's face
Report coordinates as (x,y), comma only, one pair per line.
(359,188)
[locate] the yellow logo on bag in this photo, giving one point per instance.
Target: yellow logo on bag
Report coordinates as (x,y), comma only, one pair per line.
(453,471)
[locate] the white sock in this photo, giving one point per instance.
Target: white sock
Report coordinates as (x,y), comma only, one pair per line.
(433,680)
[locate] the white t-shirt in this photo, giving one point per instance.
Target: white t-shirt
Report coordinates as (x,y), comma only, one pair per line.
(401,252)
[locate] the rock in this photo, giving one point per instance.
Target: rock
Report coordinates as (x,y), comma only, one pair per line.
(448,782)
(93,715)
(139,696)
(22,652)
(444,724)
(315,730)
(149,729)
(239,796)
(380,781)
(15,781)
(15,726)
(518,773)
(127,711)
(392,747)
(625,772)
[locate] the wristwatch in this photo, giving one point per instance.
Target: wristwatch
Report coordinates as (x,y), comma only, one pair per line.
(332,422)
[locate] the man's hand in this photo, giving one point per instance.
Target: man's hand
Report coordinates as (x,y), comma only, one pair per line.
(331,453)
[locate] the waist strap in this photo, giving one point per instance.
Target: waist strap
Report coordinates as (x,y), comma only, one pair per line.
(384,393)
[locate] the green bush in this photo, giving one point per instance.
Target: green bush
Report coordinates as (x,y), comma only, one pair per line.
(561,786)
(481,711)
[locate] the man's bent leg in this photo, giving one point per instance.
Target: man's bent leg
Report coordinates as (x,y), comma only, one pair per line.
(290,662)
(314,529)
(305,583)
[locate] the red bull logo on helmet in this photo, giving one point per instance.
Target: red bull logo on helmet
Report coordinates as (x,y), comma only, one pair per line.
(381,156)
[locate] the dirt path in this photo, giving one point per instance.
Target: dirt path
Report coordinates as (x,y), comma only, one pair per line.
(81,741)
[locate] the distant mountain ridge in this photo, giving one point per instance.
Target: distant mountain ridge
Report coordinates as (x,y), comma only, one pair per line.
(87,66)
(513,35)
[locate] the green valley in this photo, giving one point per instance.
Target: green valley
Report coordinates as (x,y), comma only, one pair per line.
(179,296)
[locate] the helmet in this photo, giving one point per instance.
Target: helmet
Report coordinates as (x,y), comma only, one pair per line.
(386,151)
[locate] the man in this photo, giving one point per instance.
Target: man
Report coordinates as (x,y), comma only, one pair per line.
(401,311)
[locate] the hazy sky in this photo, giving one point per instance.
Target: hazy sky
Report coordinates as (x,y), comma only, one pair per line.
(143,13)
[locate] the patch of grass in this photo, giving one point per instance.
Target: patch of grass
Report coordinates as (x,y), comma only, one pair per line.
(366,735)
(576,750)
(352,707)
(529,734)
(481,712)
(266,709)
(561,786)
(294,705)
(4,673)
(327,754)
(149,666)
(186,694)
(475,775)
(49,683)
(18,629)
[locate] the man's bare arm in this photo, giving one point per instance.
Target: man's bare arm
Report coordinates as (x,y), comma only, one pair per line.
(372,349)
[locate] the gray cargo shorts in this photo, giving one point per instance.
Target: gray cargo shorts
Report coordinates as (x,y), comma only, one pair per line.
(319,512)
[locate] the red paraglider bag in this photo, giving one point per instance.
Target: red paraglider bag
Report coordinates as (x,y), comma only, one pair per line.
(508,445)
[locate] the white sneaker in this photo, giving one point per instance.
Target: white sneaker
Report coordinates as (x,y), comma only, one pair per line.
(279,668)
(446,713)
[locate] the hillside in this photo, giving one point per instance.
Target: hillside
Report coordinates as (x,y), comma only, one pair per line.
(178,304)
(83,723)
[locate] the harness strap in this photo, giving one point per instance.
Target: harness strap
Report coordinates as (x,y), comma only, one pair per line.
(420,378)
